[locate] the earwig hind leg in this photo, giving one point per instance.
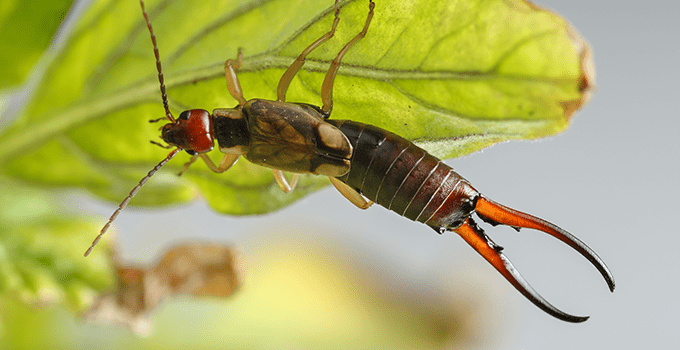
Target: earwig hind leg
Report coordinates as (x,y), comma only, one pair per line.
(327,87)
(286,186)
(495,213)
(233,84)
(225,164)
(290,73)
(476,238)
(351,194)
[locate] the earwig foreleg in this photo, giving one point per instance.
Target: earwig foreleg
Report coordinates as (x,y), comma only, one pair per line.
(476,237)
(188,164)
(351,194)
(160,145)
(233,84)
(225,164)
(290,73)
(283,182)
(327,87)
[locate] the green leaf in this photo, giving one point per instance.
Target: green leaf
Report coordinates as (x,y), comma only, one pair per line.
(454,76)
(26,27)
(41,251)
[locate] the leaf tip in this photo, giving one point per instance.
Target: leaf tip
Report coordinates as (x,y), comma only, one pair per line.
(586,84)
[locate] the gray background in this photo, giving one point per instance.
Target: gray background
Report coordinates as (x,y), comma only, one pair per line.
(611,179)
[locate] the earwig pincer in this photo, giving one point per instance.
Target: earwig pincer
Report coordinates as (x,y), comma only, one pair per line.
(365,163)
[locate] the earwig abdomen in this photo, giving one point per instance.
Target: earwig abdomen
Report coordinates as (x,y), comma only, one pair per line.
(395,173)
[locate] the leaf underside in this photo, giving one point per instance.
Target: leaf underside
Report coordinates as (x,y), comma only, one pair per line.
(453,76)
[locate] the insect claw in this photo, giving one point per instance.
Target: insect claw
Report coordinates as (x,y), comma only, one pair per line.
(492,252)
(495,214)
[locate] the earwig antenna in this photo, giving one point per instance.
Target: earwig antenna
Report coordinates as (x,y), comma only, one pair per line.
(129,197)
(168,114)
(164,96)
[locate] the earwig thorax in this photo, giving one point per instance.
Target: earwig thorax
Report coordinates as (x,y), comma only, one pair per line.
(231,130)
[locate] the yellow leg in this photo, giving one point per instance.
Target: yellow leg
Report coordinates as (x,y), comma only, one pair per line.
(188,164)
(327,86)
(283,183)
(233,84)
(225,164)
(288,76)
(353,196)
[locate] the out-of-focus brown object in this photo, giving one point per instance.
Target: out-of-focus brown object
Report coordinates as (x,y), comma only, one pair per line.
(190,269)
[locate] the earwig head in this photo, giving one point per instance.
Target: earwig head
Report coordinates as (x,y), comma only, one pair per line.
(192,131)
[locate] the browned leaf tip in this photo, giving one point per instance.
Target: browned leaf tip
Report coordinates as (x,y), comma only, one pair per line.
(587,79)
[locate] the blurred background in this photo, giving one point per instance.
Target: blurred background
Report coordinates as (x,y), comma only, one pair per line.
(323,274)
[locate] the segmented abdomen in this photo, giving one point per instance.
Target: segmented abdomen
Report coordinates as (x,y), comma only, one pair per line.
(395,173)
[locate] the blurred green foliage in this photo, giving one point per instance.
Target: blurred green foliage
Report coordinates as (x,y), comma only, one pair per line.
(26,28)
(41,251)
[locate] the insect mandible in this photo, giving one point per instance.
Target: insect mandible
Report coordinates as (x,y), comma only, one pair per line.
(365,163)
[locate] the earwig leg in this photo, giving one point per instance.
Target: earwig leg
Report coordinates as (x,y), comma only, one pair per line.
(290,73)
(161,145)
(351,194)
(327,87)
(233,84)
(283,183)
(495,214)
(188,164)
(225,164)
(476,237)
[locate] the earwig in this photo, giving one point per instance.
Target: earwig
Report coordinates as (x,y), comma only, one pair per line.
(365,163)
